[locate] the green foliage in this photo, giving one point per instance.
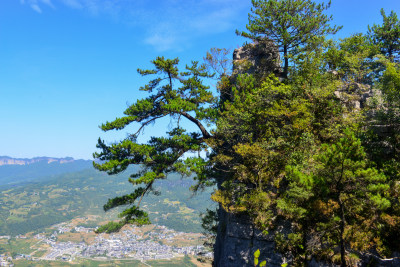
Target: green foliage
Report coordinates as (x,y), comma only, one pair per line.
(391,85)
(350,195)
(383,149)
(286,153)
(355,59)
(256,257)
(289,24)
(290,155)
(110,227)
(270,132)
(334,193)
(174,93)
(387,35)
(264,129)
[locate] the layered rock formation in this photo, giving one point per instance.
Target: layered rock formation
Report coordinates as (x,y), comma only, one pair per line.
(238,239)
(4,160)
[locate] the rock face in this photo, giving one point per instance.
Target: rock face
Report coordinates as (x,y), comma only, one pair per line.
(257,58)
(238,239)
(371,260)
(356,96)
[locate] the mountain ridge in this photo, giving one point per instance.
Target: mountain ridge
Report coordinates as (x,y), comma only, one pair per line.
(6,160)
(15,171)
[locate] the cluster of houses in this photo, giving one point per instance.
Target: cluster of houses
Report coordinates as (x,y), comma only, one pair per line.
(127,244)
(6,261)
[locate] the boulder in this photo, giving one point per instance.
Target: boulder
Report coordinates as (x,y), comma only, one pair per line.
(257,58)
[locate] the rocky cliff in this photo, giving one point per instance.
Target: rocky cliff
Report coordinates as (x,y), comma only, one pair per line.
(4,160)
(257,58)
(237,238)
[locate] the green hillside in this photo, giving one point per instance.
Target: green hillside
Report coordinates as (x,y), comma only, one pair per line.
(36,205)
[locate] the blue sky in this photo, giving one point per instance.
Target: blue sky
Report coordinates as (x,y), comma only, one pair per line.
(66,66)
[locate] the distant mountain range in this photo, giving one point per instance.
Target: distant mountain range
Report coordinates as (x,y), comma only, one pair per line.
(4,160)
(16,171)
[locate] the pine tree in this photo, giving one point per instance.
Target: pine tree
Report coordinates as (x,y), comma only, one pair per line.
(288,23)
(350,196)
(387,35)
(383,146)
(180,95)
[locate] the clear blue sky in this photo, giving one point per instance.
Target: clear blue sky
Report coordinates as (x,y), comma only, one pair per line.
(66,66)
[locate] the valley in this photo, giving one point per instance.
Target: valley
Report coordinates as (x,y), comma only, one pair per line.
(51,220)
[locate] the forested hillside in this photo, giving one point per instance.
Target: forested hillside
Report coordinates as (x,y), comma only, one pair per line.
(44,202)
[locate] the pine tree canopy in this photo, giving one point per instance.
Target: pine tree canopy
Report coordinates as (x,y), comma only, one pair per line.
(387,35)
(290,24)
(180,95)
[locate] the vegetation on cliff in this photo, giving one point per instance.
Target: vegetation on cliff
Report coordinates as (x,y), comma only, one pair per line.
(317,151)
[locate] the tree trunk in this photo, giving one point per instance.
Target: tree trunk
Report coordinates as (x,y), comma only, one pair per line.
(286,66)
(304,243)
(342,247)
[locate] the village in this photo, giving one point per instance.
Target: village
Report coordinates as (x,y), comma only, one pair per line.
(135,243)
(127,244)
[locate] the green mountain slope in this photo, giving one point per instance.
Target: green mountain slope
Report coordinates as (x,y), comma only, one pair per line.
(39,204)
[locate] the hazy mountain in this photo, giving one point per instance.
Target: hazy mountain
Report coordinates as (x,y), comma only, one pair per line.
(15,171)
(4,160)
